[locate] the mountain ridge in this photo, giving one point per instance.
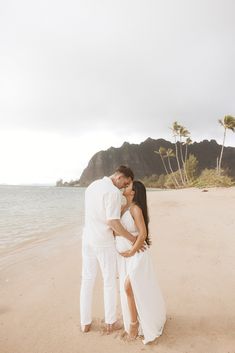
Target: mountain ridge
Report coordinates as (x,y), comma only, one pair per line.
(144,162)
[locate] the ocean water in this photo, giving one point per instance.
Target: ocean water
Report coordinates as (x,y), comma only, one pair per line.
(30,212)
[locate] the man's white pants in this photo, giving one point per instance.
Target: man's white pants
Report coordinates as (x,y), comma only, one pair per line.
(105,257)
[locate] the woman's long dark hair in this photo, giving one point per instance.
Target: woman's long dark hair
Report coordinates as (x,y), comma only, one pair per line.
(140,199)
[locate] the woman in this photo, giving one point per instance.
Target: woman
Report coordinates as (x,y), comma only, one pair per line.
(142,303)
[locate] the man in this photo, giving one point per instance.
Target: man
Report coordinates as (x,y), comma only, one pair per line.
(102,217)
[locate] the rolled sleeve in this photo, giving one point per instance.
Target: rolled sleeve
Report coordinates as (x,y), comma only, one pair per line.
(112,202)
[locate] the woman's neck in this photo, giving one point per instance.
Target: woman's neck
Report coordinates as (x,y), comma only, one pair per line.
(129,201)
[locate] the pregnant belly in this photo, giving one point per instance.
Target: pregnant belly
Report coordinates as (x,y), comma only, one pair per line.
(122,244)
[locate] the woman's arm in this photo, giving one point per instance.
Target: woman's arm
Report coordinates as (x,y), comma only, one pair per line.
(137,215)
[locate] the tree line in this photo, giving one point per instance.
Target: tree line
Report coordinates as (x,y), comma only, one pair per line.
(187,163)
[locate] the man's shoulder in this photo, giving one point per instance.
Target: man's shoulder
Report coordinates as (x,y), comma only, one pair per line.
(104,184)
(94,183)
(109,187)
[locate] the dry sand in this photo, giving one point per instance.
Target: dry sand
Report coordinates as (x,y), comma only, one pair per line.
(193,235)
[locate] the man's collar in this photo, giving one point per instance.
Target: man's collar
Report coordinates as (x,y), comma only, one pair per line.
(107,178)
(110,180)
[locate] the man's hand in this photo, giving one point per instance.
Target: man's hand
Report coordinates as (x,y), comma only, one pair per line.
(119,230)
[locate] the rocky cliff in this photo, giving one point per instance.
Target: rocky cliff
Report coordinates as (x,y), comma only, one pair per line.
(144,162)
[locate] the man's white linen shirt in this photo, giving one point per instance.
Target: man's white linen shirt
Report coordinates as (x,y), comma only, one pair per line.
(102,203)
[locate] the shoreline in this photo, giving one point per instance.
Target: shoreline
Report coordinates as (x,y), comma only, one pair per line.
(193,253)
(40,238)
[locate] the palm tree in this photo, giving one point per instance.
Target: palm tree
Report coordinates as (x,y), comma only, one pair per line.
(186,143)
(175,129)
(228,123)
(163,154)
(217,165)
(183,132)
(170,154)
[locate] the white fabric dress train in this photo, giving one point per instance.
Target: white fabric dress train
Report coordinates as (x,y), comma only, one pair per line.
(148,297)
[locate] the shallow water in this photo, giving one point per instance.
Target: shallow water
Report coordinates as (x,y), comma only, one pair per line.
(29,212)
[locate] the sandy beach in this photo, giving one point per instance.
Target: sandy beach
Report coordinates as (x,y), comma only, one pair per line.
(193,249)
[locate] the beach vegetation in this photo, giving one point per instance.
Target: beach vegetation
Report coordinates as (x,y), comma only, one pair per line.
(191,168)
(187,174)
(155,181)
(228,123)
(176,128)
(211,178)
(177,178)
(168,153)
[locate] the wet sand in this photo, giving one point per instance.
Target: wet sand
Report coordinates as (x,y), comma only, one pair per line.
(193,249)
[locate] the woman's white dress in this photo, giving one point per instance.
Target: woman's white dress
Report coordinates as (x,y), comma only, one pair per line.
(148,297)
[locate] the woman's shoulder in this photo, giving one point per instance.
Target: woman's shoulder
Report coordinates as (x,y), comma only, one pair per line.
(135,210)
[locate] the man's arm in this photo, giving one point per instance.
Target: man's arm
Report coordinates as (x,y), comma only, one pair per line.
(118,228)
(140,224)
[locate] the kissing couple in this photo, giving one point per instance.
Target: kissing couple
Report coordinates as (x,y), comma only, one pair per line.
(116,237)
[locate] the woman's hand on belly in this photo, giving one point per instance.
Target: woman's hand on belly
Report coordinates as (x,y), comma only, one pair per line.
(131,252)
(128,253)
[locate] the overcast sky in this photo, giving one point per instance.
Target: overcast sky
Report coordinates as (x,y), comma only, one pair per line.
(80,76)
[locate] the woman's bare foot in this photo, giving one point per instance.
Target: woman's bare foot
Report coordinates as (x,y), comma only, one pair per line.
(134,329)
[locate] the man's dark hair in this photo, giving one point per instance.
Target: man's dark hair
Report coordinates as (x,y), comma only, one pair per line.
(126,171)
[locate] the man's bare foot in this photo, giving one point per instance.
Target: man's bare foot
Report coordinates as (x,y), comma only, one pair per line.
(134,329)
(85,328)
(117,325)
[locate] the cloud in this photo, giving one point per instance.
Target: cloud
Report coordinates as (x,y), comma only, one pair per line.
(67,68)
(129,68)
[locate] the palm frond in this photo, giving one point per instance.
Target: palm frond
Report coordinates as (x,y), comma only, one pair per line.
(228,122)
(221,122)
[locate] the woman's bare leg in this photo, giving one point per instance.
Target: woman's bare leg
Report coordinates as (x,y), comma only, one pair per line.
(133,331)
